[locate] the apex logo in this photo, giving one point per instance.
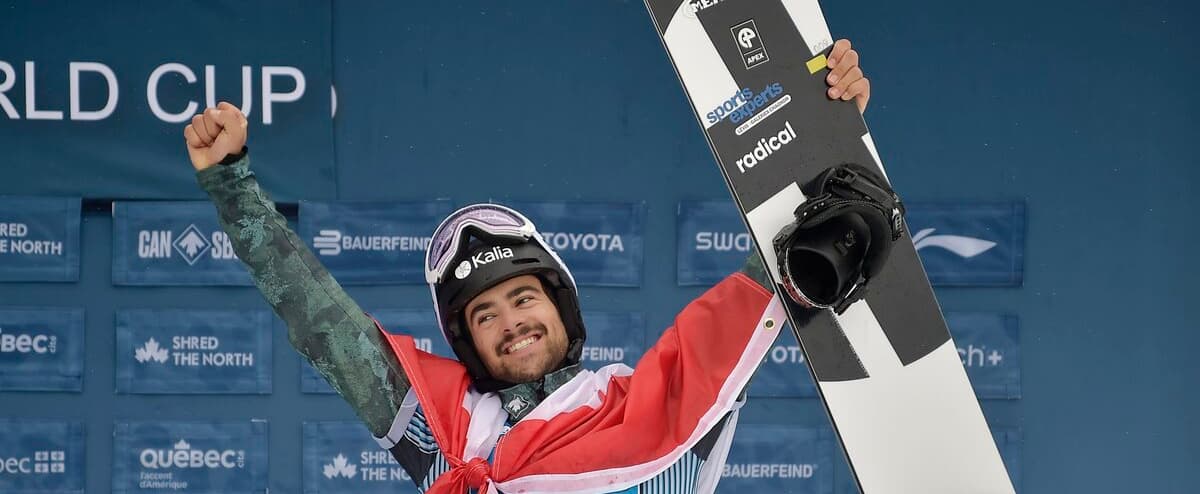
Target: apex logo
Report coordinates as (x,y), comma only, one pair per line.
(746,37)
(341,467)
(191,244)
(750,44)
(964,247)
(151,351)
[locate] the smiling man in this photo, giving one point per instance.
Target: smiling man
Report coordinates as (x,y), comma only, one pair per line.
(522,324)
(506,303)
(515,412)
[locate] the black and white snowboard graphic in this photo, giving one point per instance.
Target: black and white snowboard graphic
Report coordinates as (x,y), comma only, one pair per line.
(886,368)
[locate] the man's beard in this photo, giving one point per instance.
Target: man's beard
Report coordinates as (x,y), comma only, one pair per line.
(555,350)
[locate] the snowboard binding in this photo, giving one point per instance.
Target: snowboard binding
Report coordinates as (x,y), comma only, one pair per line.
(841,238)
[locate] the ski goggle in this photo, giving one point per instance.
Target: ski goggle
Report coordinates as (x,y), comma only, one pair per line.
(452,234)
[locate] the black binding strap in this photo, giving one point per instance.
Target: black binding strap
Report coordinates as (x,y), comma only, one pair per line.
(841,238)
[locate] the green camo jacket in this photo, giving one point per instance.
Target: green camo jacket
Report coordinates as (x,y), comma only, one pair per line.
(324,324)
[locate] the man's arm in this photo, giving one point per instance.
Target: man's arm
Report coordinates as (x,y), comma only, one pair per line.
(754,269)
(324,324)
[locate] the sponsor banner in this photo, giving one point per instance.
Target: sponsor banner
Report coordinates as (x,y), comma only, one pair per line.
(990,349)
(964,244)
(959,244)
(182,457)
(1008,441)
(372,242)
(98,108)
(601,242)
(776,458)
(420,324)
(41,457)
(342,457)
(194,351)
(39,239)
(613,337)
(713,242)
(172,243)
(41,349)
(784,372)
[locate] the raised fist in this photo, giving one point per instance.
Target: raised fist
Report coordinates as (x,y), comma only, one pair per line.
(215,134)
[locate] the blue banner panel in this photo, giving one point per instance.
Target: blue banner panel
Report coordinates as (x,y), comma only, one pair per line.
(601,242)
(341,457)
(776,458)
(41,349)
(613,337)
(190,457)
(420,324)
(784,372)
(712,243)
(41,457)
(194,351)
(172,243)
(39,239)
(970,244)
(990,349)
(1008,441)
(95,104)
(372,242)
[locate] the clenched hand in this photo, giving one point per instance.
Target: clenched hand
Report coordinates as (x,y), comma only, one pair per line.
(215,134)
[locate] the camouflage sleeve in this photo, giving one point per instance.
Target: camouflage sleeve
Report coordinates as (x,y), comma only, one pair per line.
(753,267)
(328,328)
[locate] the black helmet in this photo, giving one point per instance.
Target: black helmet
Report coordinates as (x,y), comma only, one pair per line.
(477,248)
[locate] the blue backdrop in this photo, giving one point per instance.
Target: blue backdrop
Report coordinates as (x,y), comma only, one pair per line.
(1080,111)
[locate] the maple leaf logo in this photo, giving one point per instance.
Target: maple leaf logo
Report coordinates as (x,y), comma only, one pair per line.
(151,351)
(191,244)
(341,467)
(516,405)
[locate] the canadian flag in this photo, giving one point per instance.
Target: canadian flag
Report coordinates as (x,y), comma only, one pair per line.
(606,430)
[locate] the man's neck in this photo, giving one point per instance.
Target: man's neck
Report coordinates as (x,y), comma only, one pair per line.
(521,399)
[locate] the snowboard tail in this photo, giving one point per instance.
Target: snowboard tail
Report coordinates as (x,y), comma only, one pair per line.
(886,368)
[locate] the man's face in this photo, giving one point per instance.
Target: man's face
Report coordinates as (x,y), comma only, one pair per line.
(517,330)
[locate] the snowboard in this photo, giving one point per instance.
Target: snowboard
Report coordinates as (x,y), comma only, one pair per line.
(886,368)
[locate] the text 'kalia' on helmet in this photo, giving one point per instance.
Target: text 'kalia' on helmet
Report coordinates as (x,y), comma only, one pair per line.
(479,247)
